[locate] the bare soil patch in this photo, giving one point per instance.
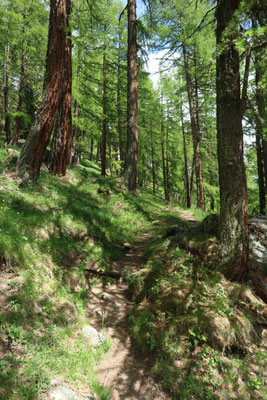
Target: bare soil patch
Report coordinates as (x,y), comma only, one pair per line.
(125,371)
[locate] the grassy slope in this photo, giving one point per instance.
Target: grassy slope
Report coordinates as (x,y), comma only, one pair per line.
(48,235)
(186,315)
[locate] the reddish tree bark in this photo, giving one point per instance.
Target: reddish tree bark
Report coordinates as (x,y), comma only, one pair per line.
(132,114)
(32,153)
(61,147)
(119,113)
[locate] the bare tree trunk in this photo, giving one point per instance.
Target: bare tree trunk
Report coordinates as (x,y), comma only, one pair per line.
(32,153)
(62,148)
(199,176)
(7,128)
(17,130)
(152,159)
(91,149)
(163,161)
(75,131)
(188,200)
(232,174)
(132,115)
(1,114)
(98,151)
(195,131)
(167,157)
(74,151)
(104,123)
(119,125)
(261,184)
(260,142)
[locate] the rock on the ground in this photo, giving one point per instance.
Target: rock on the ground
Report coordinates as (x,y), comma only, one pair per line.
(59,391)
(95,338)
(258,238)
(257,234)
(105,297)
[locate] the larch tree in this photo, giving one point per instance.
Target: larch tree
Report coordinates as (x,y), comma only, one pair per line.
(132,113)
(61,145)
(193,108)
(30,160)
(232,174)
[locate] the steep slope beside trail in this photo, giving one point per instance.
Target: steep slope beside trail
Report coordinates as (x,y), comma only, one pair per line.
(123,370)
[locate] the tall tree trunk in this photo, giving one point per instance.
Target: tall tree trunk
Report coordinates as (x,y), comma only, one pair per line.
(152,159)
(30,160)
(192,179)
(2,112)
(111,156)
(17,130)
(199,176)
(132,114)
(261,184)
(260,142)
(119,116)
(98,151)
(7,128)
(232,174)
(167,157)
(104,122)
(91,149)
(195,131)
(188,201)
(75,133)
(163,160)
(62,153)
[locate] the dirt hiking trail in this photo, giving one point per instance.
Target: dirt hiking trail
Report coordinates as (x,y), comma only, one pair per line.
(123,370)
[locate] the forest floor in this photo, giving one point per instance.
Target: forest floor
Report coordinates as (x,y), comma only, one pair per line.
(124,370)
(80,250)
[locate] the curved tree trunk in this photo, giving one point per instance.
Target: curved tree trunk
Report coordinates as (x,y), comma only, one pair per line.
(232,174)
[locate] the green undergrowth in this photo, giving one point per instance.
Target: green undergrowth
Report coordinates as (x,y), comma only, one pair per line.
(206,335)
(50,233)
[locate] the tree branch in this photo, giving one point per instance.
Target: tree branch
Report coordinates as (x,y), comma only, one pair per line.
(125,8)
(256,112)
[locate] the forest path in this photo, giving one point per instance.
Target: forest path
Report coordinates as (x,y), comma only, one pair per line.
(123,370)
(185,215)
